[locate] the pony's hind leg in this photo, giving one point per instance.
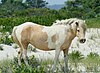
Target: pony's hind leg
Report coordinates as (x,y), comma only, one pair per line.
(19,56)
(25,56)
(24,46)
(22,53)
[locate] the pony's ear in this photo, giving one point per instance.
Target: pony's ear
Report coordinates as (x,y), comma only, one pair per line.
(77,24)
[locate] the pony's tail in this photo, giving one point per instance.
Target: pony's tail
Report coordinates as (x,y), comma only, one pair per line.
(14,37)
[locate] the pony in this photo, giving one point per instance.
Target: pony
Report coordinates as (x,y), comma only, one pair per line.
(57,37)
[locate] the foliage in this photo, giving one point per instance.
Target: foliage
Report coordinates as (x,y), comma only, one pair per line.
(8,8)
(93,55)
(92,62)
(93,23)
(9,23)
(75,56)
(74,8)
(5,39)
(35,12)
(36,3)
(28,12)
(9,66)
(86,8)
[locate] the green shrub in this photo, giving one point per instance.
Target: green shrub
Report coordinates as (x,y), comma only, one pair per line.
(9,23)
(11,66)
(74,58)
(93,23)
(92,62)
(5,39)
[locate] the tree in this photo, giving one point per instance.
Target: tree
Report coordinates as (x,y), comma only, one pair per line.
(36,3)
(74,8)
(92,8)
(12,4)
(83,8)
(9,6)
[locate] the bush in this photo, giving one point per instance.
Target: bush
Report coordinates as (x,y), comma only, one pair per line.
(93,23)
(5,39)
(9,23)
(92,62)
(74,58)
(9,66)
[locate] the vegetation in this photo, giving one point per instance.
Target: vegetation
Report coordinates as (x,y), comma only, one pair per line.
(7,24)
(91,63)
(83,8)
(74,8)
(16,12)
(93,23)
(74,58)
(11,66)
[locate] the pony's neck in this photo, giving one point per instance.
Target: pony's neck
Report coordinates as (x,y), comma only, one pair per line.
(72,34)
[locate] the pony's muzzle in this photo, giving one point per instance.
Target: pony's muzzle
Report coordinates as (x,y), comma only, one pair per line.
(82,40)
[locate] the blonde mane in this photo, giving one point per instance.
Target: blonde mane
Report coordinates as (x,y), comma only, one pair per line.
(66,21)
(70,21)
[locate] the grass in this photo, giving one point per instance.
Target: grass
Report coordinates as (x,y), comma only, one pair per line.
(91,63)
(93,23)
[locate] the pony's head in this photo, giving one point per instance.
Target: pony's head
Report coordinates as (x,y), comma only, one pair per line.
(78,27)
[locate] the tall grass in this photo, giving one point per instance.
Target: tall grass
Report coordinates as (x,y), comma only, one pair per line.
(91,64)
(93,23)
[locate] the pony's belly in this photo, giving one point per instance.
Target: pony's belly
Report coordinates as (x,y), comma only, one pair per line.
(42,46)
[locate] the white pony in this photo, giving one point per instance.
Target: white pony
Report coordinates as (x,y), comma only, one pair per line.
(57,37)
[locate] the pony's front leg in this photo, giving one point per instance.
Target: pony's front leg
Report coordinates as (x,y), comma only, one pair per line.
(65,52)
(57,52)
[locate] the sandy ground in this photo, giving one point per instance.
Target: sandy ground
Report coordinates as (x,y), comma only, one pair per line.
(91,45)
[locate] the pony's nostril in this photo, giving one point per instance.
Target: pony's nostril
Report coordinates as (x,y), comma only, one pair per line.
(82,40)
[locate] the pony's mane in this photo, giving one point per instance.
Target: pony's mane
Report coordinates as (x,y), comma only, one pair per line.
(66,21)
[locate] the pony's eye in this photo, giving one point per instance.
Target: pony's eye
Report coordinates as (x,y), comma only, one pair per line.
(78,30)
